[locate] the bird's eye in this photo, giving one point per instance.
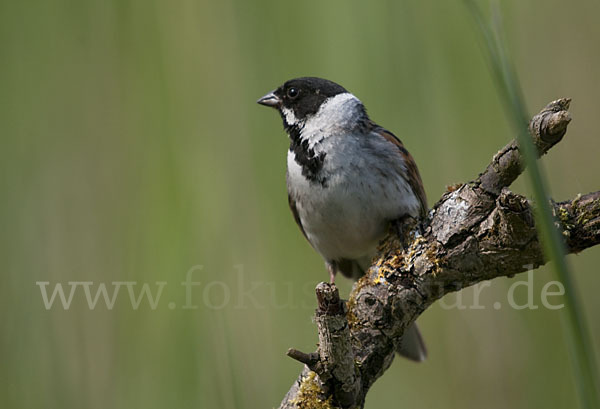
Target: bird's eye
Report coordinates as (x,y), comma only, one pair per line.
(293,92)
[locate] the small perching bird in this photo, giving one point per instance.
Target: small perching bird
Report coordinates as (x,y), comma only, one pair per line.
(347,178)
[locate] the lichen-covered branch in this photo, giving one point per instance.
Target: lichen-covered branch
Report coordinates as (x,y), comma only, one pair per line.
(478,231)
(335,361)
(547,129)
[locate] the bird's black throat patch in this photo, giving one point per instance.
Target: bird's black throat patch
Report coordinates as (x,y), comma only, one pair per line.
(310,162)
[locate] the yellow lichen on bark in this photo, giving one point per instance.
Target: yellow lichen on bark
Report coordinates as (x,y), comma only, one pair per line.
(310,393)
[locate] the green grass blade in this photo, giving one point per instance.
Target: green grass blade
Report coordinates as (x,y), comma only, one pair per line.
(576,332)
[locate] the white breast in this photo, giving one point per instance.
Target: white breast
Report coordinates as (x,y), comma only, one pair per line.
(364,190)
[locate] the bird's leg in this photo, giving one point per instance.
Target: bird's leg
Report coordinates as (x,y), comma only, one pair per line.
(402,226)
(332,269)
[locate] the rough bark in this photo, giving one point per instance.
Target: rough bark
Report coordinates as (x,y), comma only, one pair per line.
(476,231)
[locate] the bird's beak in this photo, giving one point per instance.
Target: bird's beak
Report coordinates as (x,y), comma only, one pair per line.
(269,100)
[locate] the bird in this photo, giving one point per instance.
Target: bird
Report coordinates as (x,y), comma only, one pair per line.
(347,179)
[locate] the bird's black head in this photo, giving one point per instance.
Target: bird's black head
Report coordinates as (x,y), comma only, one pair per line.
(301,97)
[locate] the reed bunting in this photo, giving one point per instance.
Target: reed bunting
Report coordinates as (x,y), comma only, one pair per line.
(347,179)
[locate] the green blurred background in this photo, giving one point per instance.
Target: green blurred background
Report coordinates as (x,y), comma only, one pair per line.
(132,150)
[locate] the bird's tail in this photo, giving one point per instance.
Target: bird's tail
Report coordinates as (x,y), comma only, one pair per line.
(411,344)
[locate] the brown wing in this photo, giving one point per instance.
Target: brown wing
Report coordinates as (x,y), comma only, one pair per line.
(413,177)
(294,210)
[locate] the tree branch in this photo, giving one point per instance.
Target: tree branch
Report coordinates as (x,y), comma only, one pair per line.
(547,129)
(476,232)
